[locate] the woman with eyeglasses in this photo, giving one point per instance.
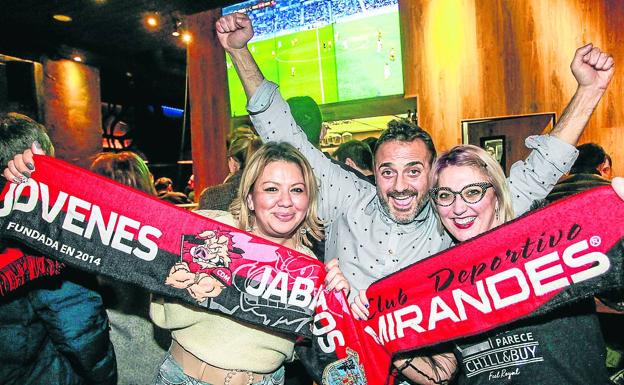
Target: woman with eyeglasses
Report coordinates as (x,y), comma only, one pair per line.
(470,192)
(471,196)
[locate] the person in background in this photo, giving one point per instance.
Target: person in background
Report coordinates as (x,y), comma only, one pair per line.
(587,172)
(244,129)
(358,156)
(53,330)
(127,305)
(308,116)
(592,169)
(276,201)
(606,170)
(189,190)
(221,196)
(372,143)
(241,147)
(164,191)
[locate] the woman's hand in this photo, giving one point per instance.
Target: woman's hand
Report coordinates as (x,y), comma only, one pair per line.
(335,280)
(359,306)
(618,186)
(18,170)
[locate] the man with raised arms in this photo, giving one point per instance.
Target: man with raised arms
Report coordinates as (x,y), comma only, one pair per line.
(374,232)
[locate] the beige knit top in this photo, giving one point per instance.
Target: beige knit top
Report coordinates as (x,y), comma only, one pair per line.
(219,340)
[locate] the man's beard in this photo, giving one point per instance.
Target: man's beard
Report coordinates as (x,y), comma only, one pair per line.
(385,204)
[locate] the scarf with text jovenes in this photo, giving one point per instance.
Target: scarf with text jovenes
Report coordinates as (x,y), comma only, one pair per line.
(552,257)
(103,227)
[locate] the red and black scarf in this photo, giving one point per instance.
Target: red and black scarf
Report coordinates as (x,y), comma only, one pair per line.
(560,254)
(18,266)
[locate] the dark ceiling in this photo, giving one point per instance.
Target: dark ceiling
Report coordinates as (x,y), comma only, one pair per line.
(109,34)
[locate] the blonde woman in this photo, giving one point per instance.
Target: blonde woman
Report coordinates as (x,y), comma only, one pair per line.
(277,200)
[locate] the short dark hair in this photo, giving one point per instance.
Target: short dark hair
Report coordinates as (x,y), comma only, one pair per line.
(372,143)
(162,183)
(17,134)
(403,130)
(591,155)
(359,152)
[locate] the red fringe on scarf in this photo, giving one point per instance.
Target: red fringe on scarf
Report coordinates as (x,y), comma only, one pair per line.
(25,269)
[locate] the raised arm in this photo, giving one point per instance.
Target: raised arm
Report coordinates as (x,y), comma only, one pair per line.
(593,70)
(553,155)
(234,32)
(272,119)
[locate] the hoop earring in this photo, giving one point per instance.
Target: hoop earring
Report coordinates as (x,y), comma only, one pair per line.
(303,230)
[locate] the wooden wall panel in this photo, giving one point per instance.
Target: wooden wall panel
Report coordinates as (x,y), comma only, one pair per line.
(208,94)
(72,110)
(468,59)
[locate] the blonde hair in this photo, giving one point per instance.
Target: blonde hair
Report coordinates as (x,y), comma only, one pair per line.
(477,158)
(242,147)
(273,152)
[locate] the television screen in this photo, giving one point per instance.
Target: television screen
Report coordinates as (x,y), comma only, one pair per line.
(331,50)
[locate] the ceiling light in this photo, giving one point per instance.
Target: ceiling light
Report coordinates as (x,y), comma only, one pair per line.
(77,59)
(152,20)
(62,18)
(187,37)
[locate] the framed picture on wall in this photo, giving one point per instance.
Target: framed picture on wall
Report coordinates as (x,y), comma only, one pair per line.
(495,146)
(504,136)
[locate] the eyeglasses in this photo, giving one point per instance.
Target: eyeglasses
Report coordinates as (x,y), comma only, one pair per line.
(471,194)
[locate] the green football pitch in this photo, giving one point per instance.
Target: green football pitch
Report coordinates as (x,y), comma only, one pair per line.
(352,60)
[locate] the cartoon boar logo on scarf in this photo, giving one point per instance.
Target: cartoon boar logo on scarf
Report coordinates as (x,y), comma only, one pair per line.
(204,269)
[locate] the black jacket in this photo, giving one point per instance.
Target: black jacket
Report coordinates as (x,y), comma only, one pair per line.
(575,183)
(55,331)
